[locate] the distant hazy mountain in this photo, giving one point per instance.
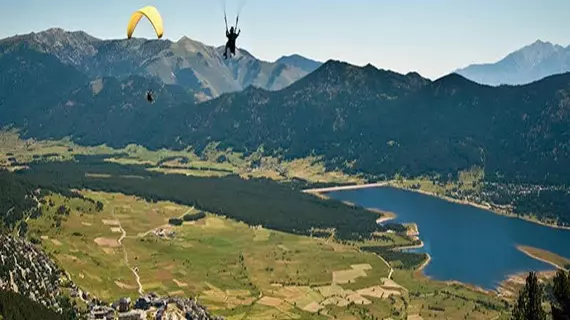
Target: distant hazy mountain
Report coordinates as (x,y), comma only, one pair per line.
(300,62)
(530,63)
(199,68)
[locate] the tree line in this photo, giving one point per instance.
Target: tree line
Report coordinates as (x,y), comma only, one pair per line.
(255,201)
(529,304)
(399,259)
(14,306)
(19,199)
(16,200)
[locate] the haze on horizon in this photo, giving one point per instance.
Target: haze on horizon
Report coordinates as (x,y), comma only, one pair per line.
(430,37)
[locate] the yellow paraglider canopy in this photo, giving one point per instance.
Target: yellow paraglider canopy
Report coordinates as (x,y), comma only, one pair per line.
(152,15)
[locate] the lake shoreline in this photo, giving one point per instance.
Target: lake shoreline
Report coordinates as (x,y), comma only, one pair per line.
(536,257)
(509,287)
(499,289)
(386,216)
(320,191)
(423,265)
(347,187)
(482,206)
(415,246)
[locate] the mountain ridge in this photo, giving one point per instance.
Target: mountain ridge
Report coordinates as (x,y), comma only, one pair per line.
(358,118)
(375,123)
(530,63)
(299,61)
(197,67)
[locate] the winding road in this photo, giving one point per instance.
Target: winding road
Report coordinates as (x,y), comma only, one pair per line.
(126,255)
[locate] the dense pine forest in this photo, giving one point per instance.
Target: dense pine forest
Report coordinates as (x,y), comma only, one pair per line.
(255,201)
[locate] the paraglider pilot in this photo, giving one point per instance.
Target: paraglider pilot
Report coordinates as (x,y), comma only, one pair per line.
(231,44)
(149,97)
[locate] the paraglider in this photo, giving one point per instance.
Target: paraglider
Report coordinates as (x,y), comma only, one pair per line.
(152,15)
(233,33)
(149,96)
(155,19)
(231,44)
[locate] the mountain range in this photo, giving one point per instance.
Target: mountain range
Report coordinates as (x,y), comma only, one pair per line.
(528,64)
(359,119)
(199,68)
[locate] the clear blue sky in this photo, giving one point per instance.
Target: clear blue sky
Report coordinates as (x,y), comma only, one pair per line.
(433,37)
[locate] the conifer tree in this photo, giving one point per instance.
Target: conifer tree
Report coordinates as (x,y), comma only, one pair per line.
(529,302)
(561,290)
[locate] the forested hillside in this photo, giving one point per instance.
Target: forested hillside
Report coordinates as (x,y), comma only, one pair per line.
(16,200)
(14,306)
(360,119)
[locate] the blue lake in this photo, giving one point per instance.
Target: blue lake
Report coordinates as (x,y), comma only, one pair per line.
(465,243)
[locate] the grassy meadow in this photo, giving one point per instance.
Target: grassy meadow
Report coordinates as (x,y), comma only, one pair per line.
(16,152)
(237,271)
(233,268)
(468,181)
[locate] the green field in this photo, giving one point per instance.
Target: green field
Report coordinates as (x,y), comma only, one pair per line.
(229,265)
(211,162)
(443,300)
(467,181)
(238,271)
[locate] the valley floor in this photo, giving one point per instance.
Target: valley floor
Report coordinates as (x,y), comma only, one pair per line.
(238,271)
(15,153)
